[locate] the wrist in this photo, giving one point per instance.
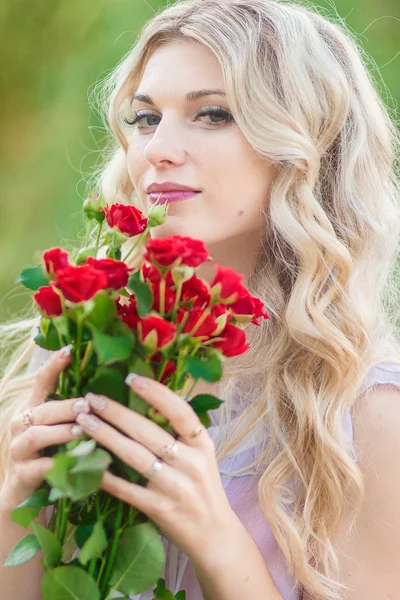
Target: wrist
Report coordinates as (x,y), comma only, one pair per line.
(213,551)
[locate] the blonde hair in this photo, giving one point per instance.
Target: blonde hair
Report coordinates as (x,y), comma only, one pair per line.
(300,90)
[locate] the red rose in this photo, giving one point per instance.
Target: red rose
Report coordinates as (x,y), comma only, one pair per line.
(227,284)
(48,301)
(151,273)
(55,259)
(195,289)
(234,342)
(80,283)
(249,307)
(169,367)
(126,218)
(116,270)
(176,250)
(208,325)
(155,333)
(128,312)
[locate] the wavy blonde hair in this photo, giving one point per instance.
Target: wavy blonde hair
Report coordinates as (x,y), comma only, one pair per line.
(300,90)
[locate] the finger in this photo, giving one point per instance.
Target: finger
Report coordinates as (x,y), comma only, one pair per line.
(32,472)
(27,445)
(130,452)
(47,376)
(51,413)
(174,408)
(147,501)
(141,429)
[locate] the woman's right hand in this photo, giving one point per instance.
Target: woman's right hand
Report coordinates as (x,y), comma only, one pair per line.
(50,426)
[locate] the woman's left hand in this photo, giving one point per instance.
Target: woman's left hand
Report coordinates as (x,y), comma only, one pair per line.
(186,498)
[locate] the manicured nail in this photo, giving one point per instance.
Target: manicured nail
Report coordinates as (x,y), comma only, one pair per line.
(76,430)
(88,422)
(98,402)
(141,383)
(66,351)
(81,405)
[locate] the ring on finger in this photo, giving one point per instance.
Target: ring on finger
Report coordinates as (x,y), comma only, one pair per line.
(171,450)
(27,418)
(155,467)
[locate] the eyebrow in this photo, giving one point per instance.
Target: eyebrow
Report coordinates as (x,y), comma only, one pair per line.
(190,96)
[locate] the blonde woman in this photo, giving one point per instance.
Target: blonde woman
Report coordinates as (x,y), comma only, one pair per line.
(266,111)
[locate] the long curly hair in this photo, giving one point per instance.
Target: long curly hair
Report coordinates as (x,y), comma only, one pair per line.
(300,89)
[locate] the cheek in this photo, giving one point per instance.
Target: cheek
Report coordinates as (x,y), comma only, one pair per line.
(136,164)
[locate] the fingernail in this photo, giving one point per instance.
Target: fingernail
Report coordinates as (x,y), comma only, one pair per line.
(87,421)
(66,351)
(135,380)
(81,405)
(76,430)
(98,402)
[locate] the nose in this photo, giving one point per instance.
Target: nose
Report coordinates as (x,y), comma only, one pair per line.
(165,147)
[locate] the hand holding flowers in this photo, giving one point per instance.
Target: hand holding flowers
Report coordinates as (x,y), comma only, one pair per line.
(160,321)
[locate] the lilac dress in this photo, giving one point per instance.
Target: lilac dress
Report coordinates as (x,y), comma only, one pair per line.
(241,491)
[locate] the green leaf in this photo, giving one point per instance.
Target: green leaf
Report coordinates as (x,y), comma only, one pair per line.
(110,349)
(55,494)
(161,593)
(57,475)
(69,583)
(207,368)
(95,545)
(50,340)
(143,294)
(23,551)
(203,402)
(33,278)
(29,509)
(61,325)
(104,311)
(181,595)
(96,461)
(85,477)
(83,532)
(139,559)
(49,543)
(109,381)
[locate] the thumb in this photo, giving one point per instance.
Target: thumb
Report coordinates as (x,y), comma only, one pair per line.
(47,376)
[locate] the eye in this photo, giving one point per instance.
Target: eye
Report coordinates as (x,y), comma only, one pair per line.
(223,115)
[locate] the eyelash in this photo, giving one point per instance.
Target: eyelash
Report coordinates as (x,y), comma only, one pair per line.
(211,111)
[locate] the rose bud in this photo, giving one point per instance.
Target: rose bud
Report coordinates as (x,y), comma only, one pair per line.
(84,254)
(48,301)
(155,333)
(93,206)
(157,214)
(226,286)
(55,259)
(125,218)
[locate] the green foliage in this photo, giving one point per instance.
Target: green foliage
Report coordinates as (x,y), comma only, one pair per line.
(69,583)
(139,559)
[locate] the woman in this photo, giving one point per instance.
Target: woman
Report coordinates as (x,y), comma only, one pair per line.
(267,112)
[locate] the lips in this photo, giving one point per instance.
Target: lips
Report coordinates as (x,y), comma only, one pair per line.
(169,186)
(173,196)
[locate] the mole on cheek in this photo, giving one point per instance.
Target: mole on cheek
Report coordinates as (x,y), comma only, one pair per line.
(241,212)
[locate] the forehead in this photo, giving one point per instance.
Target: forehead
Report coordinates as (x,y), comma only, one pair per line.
(181,66)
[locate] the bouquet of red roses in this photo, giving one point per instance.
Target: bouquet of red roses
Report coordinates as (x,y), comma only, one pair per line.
(160,320)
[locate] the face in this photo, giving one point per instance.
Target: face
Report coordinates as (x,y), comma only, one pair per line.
(179,141)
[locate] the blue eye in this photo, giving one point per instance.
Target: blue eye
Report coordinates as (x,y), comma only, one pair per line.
(218,112)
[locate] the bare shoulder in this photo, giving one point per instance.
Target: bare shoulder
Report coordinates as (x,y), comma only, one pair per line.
(368,555)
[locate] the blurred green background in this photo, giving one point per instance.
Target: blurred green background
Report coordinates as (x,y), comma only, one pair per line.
(53,53)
